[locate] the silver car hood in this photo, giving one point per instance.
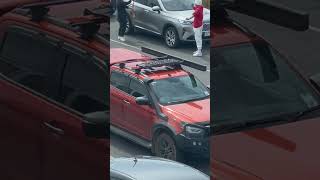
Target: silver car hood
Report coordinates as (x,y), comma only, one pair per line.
(188,13)
(154,168)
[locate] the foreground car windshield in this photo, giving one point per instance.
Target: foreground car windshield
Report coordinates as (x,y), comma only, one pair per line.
(178,5)
(179,90)
(253,82)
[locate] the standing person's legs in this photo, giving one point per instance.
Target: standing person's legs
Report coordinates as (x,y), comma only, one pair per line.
(122,26)
(198,39)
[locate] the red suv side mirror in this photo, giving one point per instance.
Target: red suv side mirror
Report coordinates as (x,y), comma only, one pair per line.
(96,125)
(142,101)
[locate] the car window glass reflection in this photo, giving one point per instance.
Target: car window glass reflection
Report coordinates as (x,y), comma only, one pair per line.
(253,82)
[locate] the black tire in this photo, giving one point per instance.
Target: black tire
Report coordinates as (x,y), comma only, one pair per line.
(171,37)
(164,146)
(129,26)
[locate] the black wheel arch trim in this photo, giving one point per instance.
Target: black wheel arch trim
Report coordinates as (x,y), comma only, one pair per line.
(165,127)
(166,27)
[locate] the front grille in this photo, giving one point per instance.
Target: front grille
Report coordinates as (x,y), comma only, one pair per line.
(206,125)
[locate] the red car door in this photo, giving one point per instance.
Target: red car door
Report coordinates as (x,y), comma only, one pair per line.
(20,134)
(140,118)
(68,153)
(26,65)
(119,84)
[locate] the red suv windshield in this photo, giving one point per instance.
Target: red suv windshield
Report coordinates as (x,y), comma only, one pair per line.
(180,89)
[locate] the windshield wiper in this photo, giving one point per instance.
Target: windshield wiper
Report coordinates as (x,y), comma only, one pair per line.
(236,126)
(302,114)
(188,100)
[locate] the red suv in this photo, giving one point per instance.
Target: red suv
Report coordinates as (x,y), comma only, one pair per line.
(158,104)
(266,115)
(53,95)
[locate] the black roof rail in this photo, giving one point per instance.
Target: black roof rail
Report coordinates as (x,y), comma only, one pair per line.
(103,10)
(264,10)
(173,58)
(40,10)
(90,23)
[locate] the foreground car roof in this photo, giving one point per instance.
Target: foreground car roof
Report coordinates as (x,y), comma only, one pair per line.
(152,168)
(228,34)
(290,149)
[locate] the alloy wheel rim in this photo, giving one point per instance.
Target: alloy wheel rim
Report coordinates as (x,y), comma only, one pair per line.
(167,150)
(170,37)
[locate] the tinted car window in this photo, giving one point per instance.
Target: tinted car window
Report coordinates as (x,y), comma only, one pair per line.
(152,3)
(120,81)
(137,89)
(84,85)
(30,61)
(178,5)
(253,82)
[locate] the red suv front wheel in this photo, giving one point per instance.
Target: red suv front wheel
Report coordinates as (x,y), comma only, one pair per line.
(164,146)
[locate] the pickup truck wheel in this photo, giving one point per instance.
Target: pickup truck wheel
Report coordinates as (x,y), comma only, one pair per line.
(171,37)
(165,147)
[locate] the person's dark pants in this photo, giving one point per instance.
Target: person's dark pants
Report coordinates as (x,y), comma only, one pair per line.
(123,23)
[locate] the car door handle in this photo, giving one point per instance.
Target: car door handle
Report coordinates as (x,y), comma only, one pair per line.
(53,128)
(125,101)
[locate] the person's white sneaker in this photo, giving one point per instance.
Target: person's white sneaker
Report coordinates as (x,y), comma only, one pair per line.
(197,54)
(121,38)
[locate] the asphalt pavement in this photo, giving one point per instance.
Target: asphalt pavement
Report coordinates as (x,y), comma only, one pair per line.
(144,39)
(120,147)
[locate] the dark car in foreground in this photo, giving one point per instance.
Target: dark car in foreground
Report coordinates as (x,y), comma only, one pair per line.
(53,94)
(152,168)
(266,114)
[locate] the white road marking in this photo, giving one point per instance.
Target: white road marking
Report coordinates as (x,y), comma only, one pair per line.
(314,28)
(125,44)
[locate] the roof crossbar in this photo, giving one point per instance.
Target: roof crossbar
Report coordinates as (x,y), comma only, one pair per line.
(264,10)
(90,23)
(40,10)
(183,62)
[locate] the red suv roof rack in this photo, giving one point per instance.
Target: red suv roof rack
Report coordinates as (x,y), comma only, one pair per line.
(87,25)
(162,60)
(161,64)
(183,62)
